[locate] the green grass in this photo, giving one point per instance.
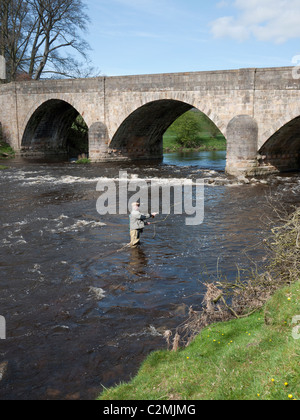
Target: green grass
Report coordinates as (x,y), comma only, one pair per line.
(84,161)
(2,167)
(254,358)
(207,143)
(6,151)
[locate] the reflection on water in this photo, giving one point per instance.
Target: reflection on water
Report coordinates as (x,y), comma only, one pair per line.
(138,262)
(205,160)
(81,314)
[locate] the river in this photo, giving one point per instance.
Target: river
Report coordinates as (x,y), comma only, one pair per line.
(81,315)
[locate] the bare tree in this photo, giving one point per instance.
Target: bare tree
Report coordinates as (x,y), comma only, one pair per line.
(16,29)
(59,25)
(38,36)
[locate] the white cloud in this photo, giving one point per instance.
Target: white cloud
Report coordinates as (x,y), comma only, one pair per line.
(266,20)
(222,4)
(227,27)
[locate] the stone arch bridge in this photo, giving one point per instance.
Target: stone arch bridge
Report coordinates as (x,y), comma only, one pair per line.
(257,110)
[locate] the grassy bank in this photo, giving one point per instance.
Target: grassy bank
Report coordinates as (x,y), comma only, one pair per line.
(193,131)
(83,161)
(254,358)
(253,355)
(6,152)
(207,144)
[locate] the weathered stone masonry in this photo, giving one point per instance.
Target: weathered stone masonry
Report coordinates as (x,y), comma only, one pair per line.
(258,111)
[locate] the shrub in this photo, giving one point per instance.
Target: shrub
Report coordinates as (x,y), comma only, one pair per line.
(187,128)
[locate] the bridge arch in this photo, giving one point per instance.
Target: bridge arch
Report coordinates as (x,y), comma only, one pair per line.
(140,135)
(282,149)
(46,131)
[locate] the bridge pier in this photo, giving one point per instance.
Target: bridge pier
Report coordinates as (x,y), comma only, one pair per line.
(242,140)
(98,142)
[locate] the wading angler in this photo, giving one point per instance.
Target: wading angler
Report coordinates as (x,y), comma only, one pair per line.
(118,196)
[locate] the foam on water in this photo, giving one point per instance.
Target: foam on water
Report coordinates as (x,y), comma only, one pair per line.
(97,292)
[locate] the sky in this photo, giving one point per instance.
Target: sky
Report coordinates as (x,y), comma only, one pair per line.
(130,37)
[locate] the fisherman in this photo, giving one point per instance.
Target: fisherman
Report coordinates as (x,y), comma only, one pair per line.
(137,224)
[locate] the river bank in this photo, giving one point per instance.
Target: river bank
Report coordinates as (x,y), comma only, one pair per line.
(255,356)
(244,359)
(6,152)
(207,144)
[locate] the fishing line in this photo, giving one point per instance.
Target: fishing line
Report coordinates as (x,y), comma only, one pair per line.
(163,220)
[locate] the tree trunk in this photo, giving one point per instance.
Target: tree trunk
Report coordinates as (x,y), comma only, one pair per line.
(44,59)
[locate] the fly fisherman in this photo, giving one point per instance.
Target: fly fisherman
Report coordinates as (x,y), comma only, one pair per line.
(137,224)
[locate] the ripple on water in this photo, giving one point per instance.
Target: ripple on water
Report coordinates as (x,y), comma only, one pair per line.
(80,314)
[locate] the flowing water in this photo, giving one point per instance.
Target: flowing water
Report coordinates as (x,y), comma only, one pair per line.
(80,314)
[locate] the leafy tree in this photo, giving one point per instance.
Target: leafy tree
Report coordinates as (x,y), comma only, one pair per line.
(187,128)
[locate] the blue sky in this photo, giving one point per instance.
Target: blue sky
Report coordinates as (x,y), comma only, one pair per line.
(167,36)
